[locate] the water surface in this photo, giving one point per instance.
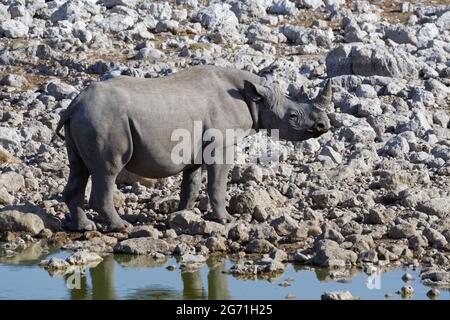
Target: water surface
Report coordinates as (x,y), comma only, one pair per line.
(141,277)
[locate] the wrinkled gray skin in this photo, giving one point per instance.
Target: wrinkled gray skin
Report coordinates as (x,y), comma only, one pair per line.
(127,123)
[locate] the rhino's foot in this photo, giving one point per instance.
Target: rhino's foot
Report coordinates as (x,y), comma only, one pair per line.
(117,225)
(82,225)
(223,217)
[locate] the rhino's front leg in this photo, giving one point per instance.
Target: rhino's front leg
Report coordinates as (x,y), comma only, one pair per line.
(190,187)
(217,187)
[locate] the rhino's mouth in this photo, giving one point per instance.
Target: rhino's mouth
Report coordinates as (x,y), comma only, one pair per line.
(315,134)
(306,134)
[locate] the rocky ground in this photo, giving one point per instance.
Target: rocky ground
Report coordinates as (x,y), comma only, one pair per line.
(373,191)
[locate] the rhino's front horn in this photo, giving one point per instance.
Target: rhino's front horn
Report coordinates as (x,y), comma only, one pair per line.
(324,97)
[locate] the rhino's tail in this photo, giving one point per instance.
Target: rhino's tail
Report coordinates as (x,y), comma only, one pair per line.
(64,118)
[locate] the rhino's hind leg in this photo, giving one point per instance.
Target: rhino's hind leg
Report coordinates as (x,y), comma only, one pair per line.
(74,192)
(103,186)
(217,187)
(190,187)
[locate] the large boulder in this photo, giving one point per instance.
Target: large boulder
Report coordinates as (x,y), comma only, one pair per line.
(338,295)
(184,220)
(13,80)
(141,246)
(400,34)
(189,222)
(54,264)
(117,22)
(330,254)
(144,231)
(217,16)
(12,181)
(304,36)
(326,198)
(9,136)
(360,132)
(311,4)
(402,231)
(83,258)
(246,202)
(50,221)
(284,7)
(5,197)
(371,61)
(259,246)
(12,220)
(239,232)
(396,147)
(285,225)
(13,29)
(4,14)
(60,90)
(160,10)
(6,157)
(113,3)
(427,32)
(438,206)
(75,10)
(444,21)
(380,215)
(435,238)
(397,180)
(435,276)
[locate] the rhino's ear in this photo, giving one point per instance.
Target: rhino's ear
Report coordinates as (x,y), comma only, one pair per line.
(255,92)
(302,95)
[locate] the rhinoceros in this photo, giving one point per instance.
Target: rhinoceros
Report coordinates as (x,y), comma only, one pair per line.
(127,122)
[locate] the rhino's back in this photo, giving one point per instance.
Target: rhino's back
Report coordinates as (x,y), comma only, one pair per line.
(170,101)
(196,83)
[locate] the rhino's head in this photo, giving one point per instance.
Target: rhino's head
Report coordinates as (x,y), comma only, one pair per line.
(295,120)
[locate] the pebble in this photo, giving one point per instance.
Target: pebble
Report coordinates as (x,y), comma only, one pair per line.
(171,267)
(290,296)
(338,295)
(433,293)
(407,291)
(407,277)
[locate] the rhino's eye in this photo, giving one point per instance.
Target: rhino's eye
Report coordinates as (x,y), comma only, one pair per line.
(295,116)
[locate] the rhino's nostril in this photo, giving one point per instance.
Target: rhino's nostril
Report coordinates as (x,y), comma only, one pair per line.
(321,126)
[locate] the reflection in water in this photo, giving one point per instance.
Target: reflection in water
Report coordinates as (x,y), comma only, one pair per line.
(29,256)
(326,275)
(139,261)
(154,292)
(103,281)
(142,277)
(82,292)
(103,284)
(217,282)
(192,285)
